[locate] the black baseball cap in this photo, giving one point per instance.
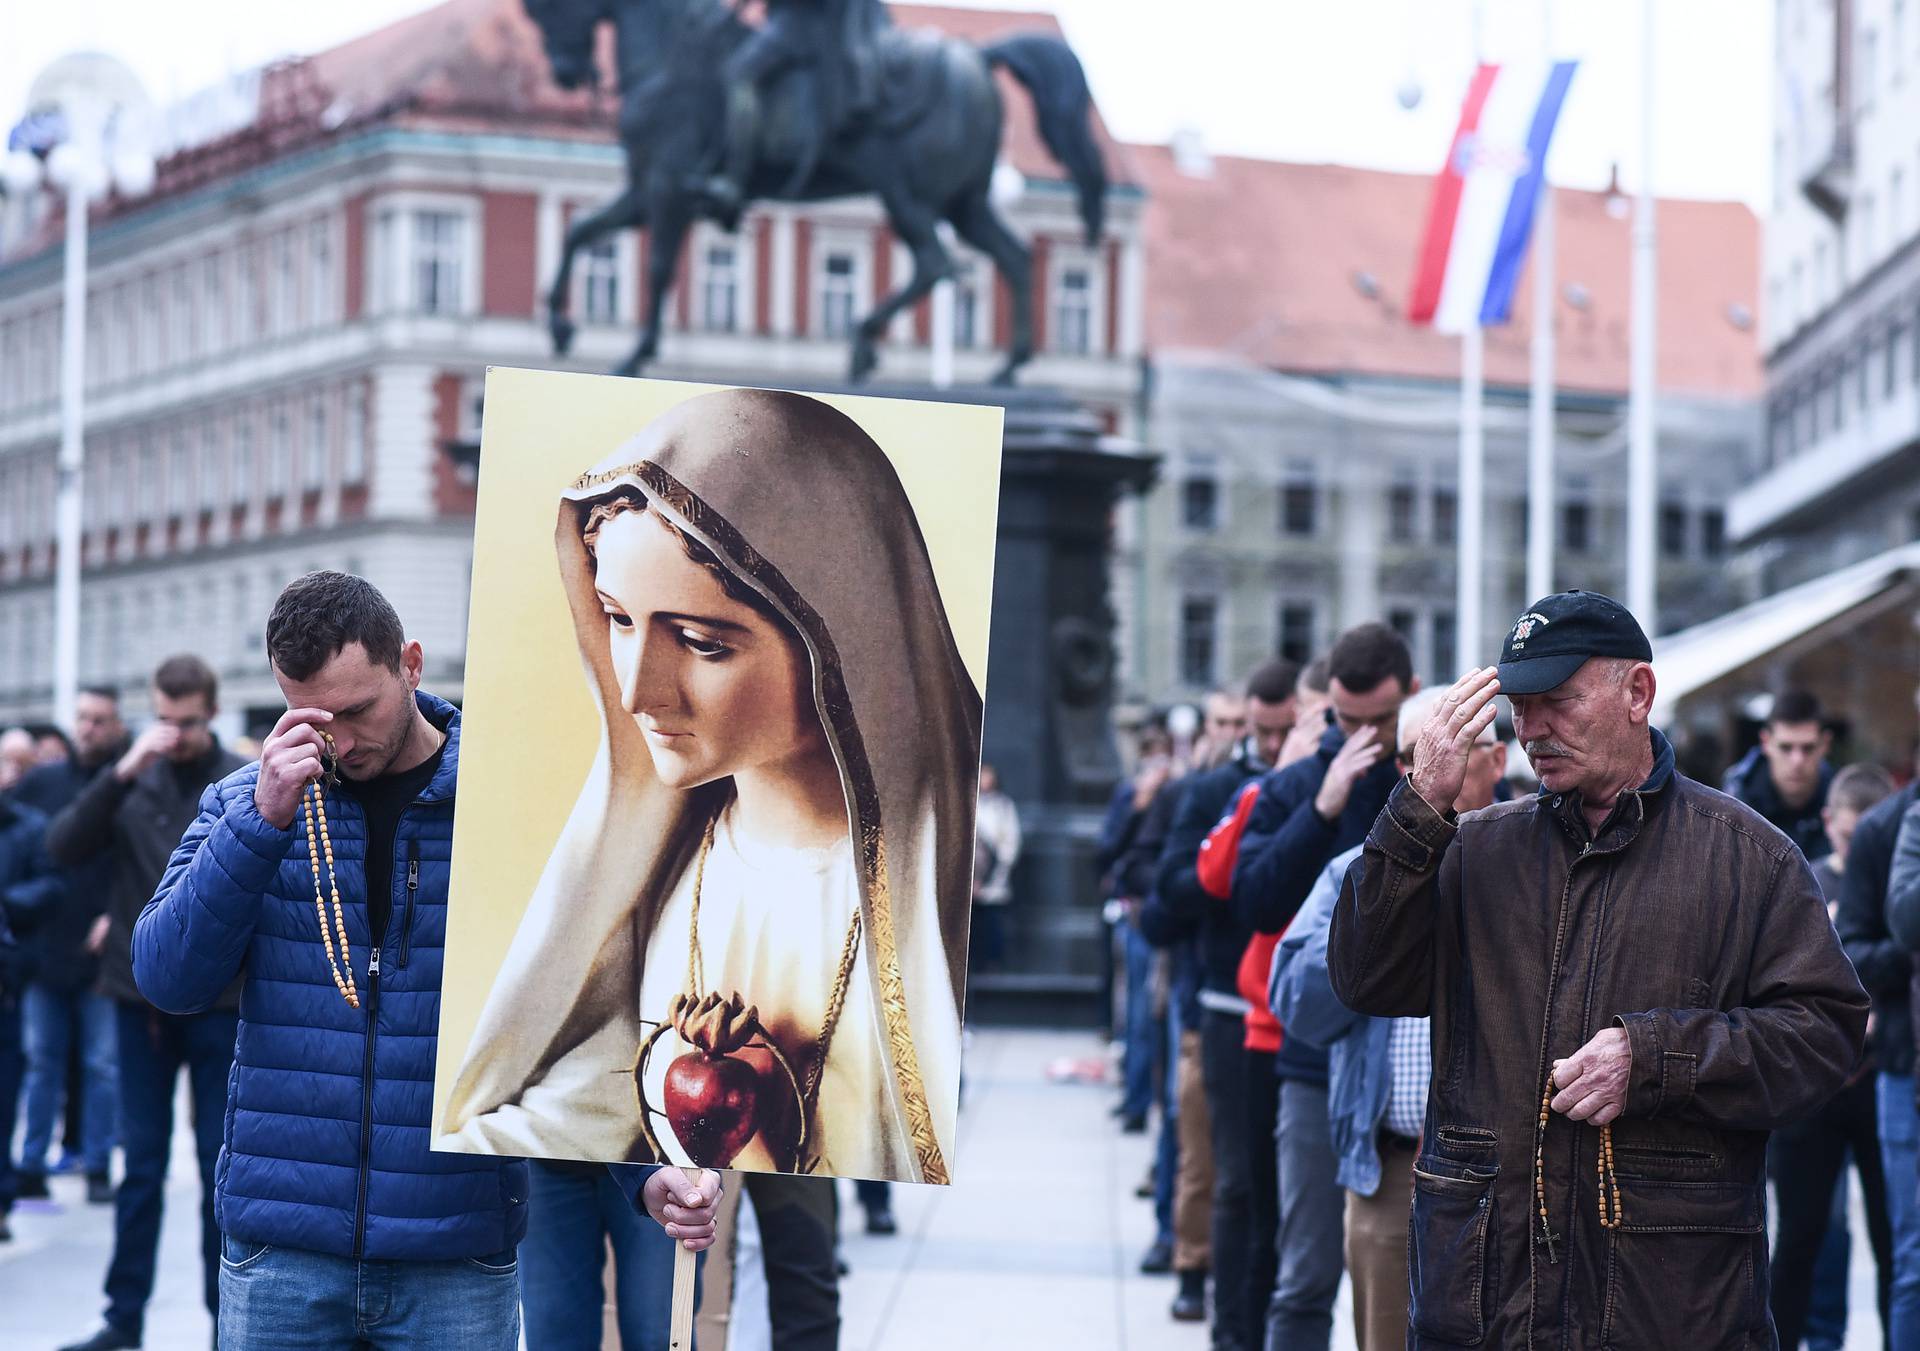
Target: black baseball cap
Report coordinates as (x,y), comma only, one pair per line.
(1557,635)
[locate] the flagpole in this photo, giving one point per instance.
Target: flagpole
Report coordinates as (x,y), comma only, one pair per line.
(1642,473)
(1472,492)
(1473,457)
(1540,408)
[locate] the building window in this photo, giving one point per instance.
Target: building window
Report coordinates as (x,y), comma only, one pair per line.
(1673,530)
(316,473)
(320,271)
(439,253)
(213,314)
(1713,532)
(353,466)
(1405,622)
(1446,646)
(245,294)
(279,453)
(1073,311)
(151,503)
(280,303)
(1896,340)
(151,335)
(1576,527)
(600,283)
(1299,498)
(243,456)
(1200,501)
(1403,510)
(1199,640)
(209,468)
(838,277)
(185,331)
(180,477)
(1864,77)
(1446,513)
(1296,631)
(720,289)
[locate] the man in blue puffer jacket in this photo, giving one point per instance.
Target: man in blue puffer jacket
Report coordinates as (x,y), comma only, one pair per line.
(338,1226)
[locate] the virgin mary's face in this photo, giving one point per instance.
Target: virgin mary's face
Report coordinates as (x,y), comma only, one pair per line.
(716,687)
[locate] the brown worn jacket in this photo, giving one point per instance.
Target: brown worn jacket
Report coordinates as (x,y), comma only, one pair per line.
(1687,920)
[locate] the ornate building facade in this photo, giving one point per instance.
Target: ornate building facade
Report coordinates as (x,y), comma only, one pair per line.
(287,341)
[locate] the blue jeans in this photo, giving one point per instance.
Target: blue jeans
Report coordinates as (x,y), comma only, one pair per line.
(1313,1223)
(154,1048)
(1827,1314)
(12,1065)
(288,1299)
(53,1019)
(1900,1154)
(1166,1156)
(1143,1032)
(574,1209)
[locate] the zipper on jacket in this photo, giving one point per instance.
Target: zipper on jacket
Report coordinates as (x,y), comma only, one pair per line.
(413,890)
(366,1106)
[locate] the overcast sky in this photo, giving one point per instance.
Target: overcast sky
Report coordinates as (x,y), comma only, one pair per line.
(1286,79)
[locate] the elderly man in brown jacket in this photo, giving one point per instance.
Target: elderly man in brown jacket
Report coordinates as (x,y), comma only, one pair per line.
(1632,980)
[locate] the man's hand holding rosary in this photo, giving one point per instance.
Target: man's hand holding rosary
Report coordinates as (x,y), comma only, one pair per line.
(292,756)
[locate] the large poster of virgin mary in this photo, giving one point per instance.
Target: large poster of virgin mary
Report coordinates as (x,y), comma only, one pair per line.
(719,755)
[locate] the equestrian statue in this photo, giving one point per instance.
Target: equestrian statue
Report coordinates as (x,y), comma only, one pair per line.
(821,99)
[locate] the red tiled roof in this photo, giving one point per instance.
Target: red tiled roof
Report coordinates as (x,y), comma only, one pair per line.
(1259,260)
(484,57)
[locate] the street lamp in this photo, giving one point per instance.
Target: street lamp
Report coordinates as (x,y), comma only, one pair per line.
(100,120)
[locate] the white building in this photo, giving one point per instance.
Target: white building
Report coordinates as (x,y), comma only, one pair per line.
(1311,431)
(287,340)
(1825,523)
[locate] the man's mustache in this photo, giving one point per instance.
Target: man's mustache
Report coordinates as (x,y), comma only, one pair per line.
(1537,748)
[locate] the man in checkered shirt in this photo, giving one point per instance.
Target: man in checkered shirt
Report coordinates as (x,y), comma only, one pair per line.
(1379,1070)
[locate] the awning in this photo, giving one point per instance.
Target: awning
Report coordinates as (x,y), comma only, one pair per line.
(1692,659)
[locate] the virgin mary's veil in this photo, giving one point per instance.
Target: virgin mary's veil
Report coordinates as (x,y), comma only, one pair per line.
(798,502)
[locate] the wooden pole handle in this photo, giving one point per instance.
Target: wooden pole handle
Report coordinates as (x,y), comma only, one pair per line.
(683,1274)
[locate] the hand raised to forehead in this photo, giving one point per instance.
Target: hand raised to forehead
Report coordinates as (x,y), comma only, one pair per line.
(1440,754)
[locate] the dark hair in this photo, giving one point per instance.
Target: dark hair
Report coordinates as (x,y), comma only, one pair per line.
(40,731)
(1315,676)
(1273,681)
(319,614)
(631,499)
(107,692)
(1794,708)
(1367,655)
(1859,787)
(185,675)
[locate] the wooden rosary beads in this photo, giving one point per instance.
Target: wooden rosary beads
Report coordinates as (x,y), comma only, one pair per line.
(1612,1210)
(314,803)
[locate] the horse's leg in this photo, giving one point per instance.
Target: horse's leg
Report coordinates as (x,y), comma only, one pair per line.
(666,238)
(626,211)
(914,222)
(980,225)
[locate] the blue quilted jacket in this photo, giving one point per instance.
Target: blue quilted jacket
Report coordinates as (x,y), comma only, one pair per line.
(328,1106)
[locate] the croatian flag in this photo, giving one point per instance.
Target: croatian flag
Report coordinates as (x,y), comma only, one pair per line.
(1482,212)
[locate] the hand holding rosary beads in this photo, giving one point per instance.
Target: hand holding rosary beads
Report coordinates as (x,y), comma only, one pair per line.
(314,804)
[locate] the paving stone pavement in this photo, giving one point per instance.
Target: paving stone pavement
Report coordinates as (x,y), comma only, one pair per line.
(1035,1246)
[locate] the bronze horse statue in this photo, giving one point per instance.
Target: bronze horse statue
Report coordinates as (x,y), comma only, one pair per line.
(927,149)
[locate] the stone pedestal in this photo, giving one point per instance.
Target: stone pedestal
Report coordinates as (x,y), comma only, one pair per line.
(1050,686)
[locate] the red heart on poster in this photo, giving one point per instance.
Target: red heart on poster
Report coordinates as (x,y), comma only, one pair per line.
(712,1102)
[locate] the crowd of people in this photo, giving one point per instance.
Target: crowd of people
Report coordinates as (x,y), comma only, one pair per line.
(142,877)
(1345,905)
(1480,1031)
